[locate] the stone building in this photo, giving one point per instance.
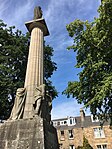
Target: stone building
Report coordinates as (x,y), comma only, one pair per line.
(71,130)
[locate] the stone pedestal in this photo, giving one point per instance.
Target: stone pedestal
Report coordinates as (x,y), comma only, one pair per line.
(28,134)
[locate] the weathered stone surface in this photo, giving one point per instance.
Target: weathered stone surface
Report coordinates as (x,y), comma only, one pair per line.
(28,134)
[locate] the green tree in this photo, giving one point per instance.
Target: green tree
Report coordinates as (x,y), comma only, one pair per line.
(86,144)
(49,68)
(93,44)
(13,60)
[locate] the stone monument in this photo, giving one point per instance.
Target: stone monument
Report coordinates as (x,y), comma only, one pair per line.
(29,125)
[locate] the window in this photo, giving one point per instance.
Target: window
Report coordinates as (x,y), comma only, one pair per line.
(60,146)
(94,119)
(58,123)
(103,146)
(65,122)
(99,133)
(55,123)
(71,121)
(62,123)
(62,134)
(71,147)
(70,134)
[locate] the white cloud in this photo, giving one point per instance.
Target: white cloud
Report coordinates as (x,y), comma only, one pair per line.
(61,12)
(69,107)
(3,6)
(56,14)
(64,109)
(16,13)
(23,10)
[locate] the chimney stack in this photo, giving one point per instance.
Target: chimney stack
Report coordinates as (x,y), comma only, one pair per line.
(82,114)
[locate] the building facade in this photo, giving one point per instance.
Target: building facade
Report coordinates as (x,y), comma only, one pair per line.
(71,130)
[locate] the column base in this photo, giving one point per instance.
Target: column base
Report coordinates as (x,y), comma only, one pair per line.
(28,134)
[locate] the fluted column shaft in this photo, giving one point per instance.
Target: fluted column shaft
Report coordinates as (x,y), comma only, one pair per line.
(34,73)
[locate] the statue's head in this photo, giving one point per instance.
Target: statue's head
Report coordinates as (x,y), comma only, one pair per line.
(37,12)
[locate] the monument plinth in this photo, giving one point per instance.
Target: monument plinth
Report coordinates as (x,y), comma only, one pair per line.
(29,125)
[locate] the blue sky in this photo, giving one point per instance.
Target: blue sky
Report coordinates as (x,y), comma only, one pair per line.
(57,13)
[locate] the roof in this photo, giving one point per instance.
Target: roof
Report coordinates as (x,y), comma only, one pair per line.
(86,123)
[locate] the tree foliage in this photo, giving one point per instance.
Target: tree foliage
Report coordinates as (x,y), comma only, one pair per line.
(86,144)
(13,61)
(49,68)
(93,44)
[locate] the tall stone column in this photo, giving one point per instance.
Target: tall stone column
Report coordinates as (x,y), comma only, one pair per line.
(29,125)
(34,73)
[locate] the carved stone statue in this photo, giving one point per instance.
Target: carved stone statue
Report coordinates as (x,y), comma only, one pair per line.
(49,100)
(18,108)
(37,13)
(49,106)
(38,97)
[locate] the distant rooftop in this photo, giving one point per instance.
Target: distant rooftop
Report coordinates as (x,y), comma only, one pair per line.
(76,122)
